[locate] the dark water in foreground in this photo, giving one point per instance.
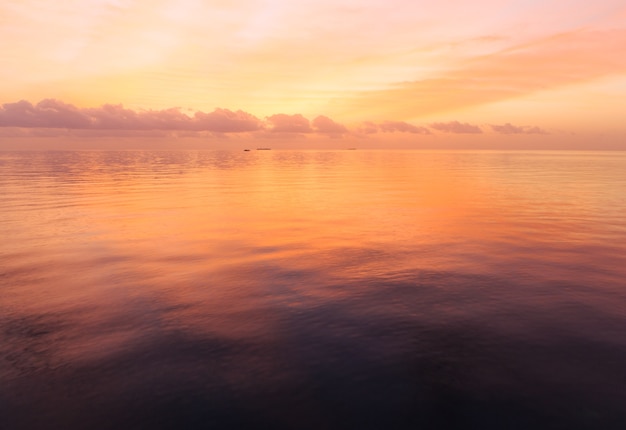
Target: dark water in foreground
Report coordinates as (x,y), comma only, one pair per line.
(313,290)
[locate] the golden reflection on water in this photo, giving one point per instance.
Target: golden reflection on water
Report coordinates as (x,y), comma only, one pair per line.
(255,268)
(179,215)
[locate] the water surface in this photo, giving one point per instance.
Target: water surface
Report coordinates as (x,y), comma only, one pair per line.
(313,290)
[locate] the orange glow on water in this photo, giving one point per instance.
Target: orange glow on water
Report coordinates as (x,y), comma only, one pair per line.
(231,272)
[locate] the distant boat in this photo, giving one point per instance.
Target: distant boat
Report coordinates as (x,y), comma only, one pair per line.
(246,149)
(263,149)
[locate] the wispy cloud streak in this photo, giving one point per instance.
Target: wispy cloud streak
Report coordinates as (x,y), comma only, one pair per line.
(551,62)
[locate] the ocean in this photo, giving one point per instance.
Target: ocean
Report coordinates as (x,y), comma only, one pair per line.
(366,289)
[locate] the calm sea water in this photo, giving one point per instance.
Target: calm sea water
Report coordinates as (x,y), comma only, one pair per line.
(312,290)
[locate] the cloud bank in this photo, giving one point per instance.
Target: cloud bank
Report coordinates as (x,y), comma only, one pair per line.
(51,113)
(54,118)
(370,127)
(508,128)
(456,127)
(283,123)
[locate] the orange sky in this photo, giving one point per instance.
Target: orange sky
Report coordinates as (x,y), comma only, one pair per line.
(542,69)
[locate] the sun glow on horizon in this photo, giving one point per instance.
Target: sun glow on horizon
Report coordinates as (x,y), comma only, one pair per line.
(352,61)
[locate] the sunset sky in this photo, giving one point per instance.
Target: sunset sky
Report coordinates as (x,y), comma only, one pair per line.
(543,71)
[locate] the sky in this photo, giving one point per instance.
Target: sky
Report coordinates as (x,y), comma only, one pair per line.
(484,73)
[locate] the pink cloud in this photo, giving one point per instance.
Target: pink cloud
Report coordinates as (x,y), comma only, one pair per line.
(52,113)
(367,127)
(116,117)
(226,121)
(283,123)
(323,124)
(456,127)
(47,113)
(402,127)
(370,127)
(55,118)
(508,128)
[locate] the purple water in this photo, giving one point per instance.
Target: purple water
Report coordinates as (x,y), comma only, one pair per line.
(313,290)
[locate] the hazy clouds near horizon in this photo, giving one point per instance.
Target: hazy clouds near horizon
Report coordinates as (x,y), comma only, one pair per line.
(56,114)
